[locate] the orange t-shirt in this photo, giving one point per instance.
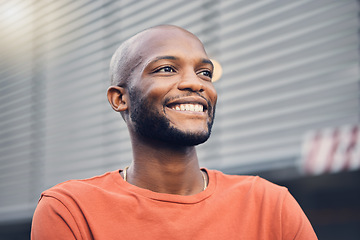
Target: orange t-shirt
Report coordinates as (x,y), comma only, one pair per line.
(232,207)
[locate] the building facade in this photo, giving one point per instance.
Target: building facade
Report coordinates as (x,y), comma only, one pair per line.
(290,67)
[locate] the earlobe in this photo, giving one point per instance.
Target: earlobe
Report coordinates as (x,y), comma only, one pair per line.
(117,98)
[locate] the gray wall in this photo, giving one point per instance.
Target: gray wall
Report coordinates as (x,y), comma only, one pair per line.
(289,67)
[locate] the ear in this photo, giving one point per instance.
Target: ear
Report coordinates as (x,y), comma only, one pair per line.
(117,98)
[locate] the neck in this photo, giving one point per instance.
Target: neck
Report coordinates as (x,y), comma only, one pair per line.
(165,168)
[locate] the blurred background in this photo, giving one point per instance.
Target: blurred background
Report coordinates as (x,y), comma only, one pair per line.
(288,107)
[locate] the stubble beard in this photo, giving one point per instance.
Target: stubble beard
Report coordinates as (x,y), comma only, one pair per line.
(154,125)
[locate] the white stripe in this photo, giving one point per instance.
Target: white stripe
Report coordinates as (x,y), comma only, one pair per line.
(355,155)
(307,151)
(324,149)
(339,158)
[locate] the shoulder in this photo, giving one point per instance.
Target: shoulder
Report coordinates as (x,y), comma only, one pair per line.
(265,200)
(73,196)
(80,187)
(255,183)
(249,186)
(61,210)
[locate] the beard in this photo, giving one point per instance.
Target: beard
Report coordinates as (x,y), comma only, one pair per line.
(155,125)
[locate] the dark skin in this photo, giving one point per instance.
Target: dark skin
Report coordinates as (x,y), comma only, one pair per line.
(170,69)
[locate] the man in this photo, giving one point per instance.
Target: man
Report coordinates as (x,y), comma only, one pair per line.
(161,83)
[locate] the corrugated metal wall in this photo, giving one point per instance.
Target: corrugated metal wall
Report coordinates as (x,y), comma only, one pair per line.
(289,66)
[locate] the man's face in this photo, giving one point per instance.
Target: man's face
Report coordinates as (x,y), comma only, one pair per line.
(172,98)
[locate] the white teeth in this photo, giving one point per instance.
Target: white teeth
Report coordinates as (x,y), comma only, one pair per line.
(189,107)
(196,108)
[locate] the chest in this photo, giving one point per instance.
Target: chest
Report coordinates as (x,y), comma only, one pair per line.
(227,217)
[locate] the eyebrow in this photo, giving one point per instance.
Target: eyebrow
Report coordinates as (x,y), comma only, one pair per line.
(203,60)
(165,57)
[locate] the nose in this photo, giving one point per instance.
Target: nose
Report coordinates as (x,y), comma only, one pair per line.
(191,81)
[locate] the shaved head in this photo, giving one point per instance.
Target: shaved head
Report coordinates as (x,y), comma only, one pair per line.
(155,70)
(129,55)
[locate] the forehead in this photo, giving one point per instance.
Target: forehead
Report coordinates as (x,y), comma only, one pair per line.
(169,41)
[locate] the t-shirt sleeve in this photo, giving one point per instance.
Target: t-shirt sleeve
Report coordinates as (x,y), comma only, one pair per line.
(52,220)
(295,224)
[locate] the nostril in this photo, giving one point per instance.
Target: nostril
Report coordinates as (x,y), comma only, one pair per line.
(191,89)
(192,85)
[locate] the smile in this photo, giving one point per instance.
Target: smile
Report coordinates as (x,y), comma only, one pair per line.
(188,107)
(188,104)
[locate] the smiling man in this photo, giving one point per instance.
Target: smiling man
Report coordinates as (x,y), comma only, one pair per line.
(161,83)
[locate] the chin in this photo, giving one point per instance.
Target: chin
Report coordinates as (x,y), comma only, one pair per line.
(159,129)
(190,139)
(176,136)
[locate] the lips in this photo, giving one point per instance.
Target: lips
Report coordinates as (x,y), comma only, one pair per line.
(188,104)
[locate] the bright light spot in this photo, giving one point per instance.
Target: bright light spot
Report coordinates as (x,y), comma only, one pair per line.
(12,13)
(217,70)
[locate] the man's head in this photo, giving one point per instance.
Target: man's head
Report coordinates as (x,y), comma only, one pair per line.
(161,83)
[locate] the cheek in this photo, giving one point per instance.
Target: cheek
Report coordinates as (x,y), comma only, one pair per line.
(156,91)
(212,94)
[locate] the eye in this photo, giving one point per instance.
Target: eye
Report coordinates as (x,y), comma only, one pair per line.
(166,69)
(206,73)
